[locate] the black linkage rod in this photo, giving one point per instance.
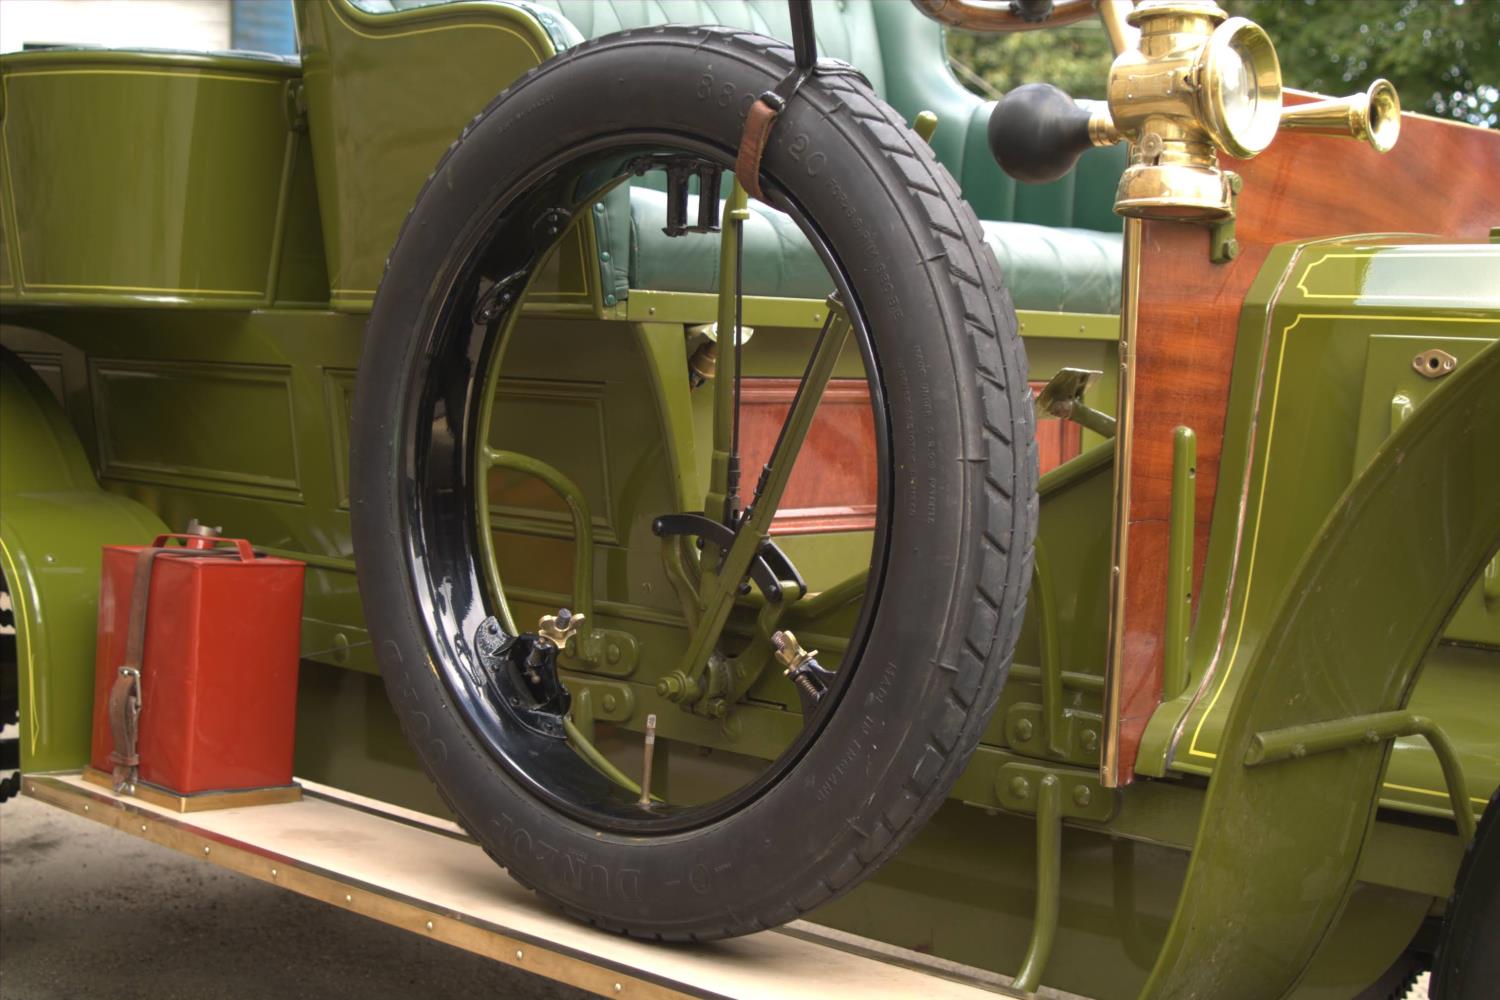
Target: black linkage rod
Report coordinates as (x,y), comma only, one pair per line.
(803,41)
(732,477)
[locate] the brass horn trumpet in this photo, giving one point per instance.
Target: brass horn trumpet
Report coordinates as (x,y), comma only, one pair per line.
(1373,117)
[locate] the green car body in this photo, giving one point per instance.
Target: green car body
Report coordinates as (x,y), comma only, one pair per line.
(191,243)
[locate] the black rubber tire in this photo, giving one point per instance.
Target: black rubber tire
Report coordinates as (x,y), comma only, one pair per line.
(964,486)
(1467,963)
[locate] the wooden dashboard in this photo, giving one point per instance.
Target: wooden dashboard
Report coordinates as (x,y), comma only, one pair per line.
(1439,180)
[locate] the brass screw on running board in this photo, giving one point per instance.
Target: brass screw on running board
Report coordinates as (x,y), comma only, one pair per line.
(646,764)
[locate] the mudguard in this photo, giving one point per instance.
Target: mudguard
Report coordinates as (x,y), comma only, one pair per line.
(53,520)
(1276,851)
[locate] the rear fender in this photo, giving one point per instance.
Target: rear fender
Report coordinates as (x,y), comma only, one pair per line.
(53,520)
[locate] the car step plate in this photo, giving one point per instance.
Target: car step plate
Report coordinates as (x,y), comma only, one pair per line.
(424,875)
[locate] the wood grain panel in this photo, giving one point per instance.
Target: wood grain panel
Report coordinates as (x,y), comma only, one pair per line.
(833,484)
(834,480)
(1438,180)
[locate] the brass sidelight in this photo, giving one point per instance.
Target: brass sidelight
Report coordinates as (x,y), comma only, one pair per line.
(1199,82)
(1373,117)
(1189,83)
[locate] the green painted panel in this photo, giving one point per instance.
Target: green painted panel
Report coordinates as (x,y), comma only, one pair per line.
(1393,391)
(386,96)
(569,418)
(338,399)
(144,178)
(142,407)
(1323,343)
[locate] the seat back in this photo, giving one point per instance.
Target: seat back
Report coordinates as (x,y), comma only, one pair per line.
(390,82)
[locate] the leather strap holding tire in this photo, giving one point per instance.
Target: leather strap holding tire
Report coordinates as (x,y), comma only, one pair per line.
(764,112)
(753,146)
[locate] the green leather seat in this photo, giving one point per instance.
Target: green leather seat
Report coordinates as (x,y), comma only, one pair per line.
(1046,268)
(1058,244)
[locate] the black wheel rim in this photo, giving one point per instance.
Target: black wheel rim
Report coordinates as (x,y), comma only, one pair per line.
(439,476)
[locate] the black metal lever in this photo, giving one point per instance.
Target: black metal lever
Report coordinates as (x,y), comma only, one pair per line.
(1037,133)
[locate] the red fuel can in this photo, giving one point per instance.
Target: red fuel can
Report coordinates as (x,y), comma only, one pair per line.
(219,638)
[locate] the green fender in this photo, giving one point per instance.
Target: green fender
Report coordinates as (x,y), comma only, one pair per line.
(53,520)
(1277,847)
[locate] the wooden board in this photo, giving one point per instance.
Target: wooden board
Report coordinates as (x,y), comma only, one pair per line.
(1440,179)
(423,875)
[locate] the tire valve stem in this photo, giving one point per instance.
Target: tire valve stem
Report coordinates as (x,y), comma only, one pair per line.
(799,664)
(650,748)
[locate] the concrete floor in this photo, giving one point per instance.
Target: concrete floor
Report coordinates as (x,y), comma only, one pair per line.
(87,913)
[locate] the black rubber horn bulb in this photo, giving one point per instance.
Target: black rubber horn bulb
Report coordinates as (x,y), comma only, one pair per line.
(1037,133)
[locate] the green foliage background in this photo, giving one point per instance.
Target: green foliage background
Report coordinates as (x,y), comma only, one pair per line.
(1442,55)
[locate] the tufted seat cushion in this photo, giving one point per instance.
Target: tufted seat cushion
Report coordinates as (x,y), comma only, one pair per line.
(1045,267)
(1058,244)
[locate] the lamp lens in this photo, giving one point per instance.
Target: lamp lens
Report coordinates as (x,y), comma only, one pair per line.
(1244,87)
(1239,93)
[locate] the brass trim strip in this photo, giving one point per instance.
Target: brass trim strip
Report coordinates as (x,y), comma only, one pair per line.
(464,931)
(1130,297)
(166,799)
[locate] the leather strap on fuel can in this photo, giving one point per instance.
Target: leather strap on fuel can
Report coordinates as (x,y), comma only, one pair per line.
(125,695)
(124,728)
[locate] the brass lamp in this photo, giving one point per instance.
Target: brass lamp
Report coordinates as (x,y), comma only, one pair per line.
(1199,82)
(1195,83)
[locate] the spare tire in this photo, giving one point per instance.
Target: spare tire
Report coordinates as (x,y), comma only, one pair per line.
(952,555)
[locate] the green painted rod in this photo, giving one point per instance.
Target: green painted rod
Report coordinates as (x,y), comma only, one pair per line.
(1051,668)
(846,591)
(734,216)
(721,590)
(1070,678)
(1180,562)
(1048,884)
(578,507)
(1296,742)
(591,753)
(1097,421)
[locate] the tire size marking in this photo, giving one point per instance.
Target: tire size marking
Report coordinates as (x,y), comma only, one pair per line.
(566,869)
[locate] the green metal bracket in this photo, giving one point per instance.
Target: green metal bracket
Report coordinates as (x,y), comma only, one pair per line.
(1180,562)
(1018,787)
(1222,245)
(594,701)
(609,701)
(602,651)
(734,215)
(1052,688)
(1298,742)
(1062,397)
(1067,735)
